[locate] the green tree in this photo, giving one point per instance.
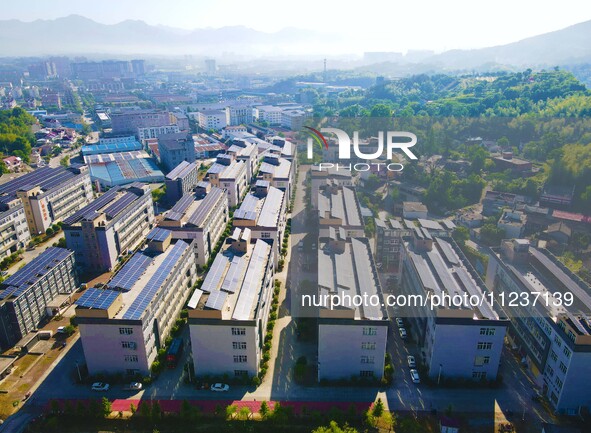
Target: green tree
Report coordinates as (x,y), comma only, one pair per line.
(461,235)
(491,235)
(333,427)
(264,410)
(106,407)
(231,411)
(156,412)
(244,413)
(378,408)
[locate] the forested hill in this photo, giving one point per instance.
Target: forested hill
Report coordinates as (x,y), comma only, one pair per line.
(16,137)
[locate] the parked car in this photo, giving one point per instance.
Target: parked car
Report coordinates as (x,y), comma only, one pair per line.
(220,387)
(134,386)
(410,360)
(402,333)
(414,376)
(399,322)
(61,330)
(100,386)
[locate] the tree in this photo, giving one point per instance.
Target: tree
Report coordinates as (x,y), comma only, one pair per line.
(378,408)
(333,427)
(106,407)
(145,409)
(491,235)
(186,410)
(244,413)
(65,161)
(264,410)
(231,411)
(156,411)
(461,235)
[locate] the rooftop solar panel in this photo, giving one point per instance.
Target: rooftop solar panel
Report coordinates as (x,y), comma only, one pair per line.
(247,208)
(216,300)
(94,205)
(158,234)
(130,272)
(116,208)
(235,274)
(99,299)
(195,298)
(252,281)
(271,210)
(180,207)
(207,204)
(215,274)
(448,251)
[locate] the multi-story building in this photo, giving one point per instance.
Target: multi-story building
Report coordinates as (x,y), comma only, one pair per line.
(176,148)
(495,201)
(49,194)
(351,337)
(25,295)
(228,315)
(229,174)
(553,334)
(239,115)
(278,171)
(331,176)
(181,180)
(338,207)
(14,231)
(388,243)
(293,119)
(156,131)
(263,212)
(244,151)
(513,223)
(202,219)
(110,226)
(128,121)
(112,145)
(271,114)
(123,326)
(211,119)
(457,337)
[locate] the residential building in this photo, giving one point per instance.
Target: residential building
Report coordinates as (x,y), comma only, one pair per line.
(553,335)
(513,223)
(338,207)
(231,175)
(128,121)
(436,267)
(49,194)
(388,245)
(294,119)
(414,210)
(110,226)
(271,114)
(212,119)
(351,338)
(175,148)
(495,201)
(239,115)
(13,163)
(51,98)
(278,171)
(202,218)
(228,314)
(25,295)
(508,162)
(331,176)
(156,131)
(556,196)
(181,180)
(123,326)
(263,212)
(14,231)
(244,151)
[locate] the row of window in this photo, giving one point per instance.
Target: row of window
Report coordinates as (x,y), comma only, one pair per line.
(487,331)
(484,345)
(238,331)
(239,345)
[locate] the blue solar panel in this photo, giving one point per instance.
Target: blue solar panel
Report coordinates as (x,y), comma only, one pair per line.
(165,270)
(99,299)
(130,272)
(100,202)
(215,274)
(178,210)
(216,300)
(247,209)
(158,234)
(113,210)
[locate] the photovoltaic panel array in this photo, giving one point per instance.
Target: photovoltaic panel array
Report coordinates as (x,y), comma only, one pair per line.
(100,299)
(215,274)
(247,210)
(234,275)
(271,208)
(125,200)
(178,210)
(216,300)
(158,234)
(32,271)
(44,177)
(131,272)
(252,281)
(448,251)
(198,217)
(143,300)
(95,205)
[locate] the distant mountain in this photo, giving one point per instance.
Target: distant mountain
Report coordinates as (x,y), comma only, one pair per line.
(75,34)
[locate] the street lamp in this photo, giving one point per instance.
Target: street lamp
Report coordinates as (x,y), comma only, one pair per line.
(78,369)
(439,375)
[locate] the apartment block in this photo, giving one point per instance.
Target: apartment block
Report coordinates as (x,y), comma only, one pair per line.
(49,194)
(199,218)
(331,176)
(457,339)
(338,208)
(110,226)
(263,212)
(123,326)
(278,171)
(176,148)
(351,339)
(181,180)
(243,151)
(228,315)
(230,175)
(239,115)
(212,119)
(24,296)
(553,337)
(14,231)
(388,245)
(148,132)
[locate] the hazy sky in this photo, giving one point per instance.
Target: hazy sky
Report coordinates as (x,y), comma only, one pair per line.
(377,25)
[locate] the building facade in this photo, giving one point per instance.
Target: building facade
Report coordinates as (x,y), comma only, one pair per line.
(181,180)
(14,231)
(176,148)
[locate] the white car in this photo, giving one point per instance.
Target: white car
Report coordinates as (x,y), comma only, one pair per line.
(402,332)
(100,386)
(134,386)
(61,330)
(410,360)
(220,387)
(414,376)
(399,322)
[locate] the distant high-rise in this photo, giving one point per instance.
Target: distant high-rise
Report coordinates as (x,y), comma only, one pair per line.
(138,67)
(210,67)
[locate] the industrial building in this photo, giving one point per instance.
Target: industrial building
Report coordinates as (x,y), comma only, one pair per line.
(123,168)
(228,315)
(110,226)
(123,326)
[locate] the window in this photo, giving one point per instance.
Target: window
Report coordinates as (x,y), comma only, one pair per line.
(367,359)
(368,346)
(238,331)
(370,331)
(130,358)
(553,356)
(557,341)
(129,345)
(125,331)
(486,360)
(566,351)
(487,331)
(132,371)
(550,371)
(240,358)
(484,345)
(240,373)
(366,373)
(239,345)
(265,235)
(562,367)
(479,375)
(559,383)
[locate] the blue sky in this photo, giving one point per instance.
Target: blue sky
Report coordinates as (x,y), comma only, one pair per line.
(377,25)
